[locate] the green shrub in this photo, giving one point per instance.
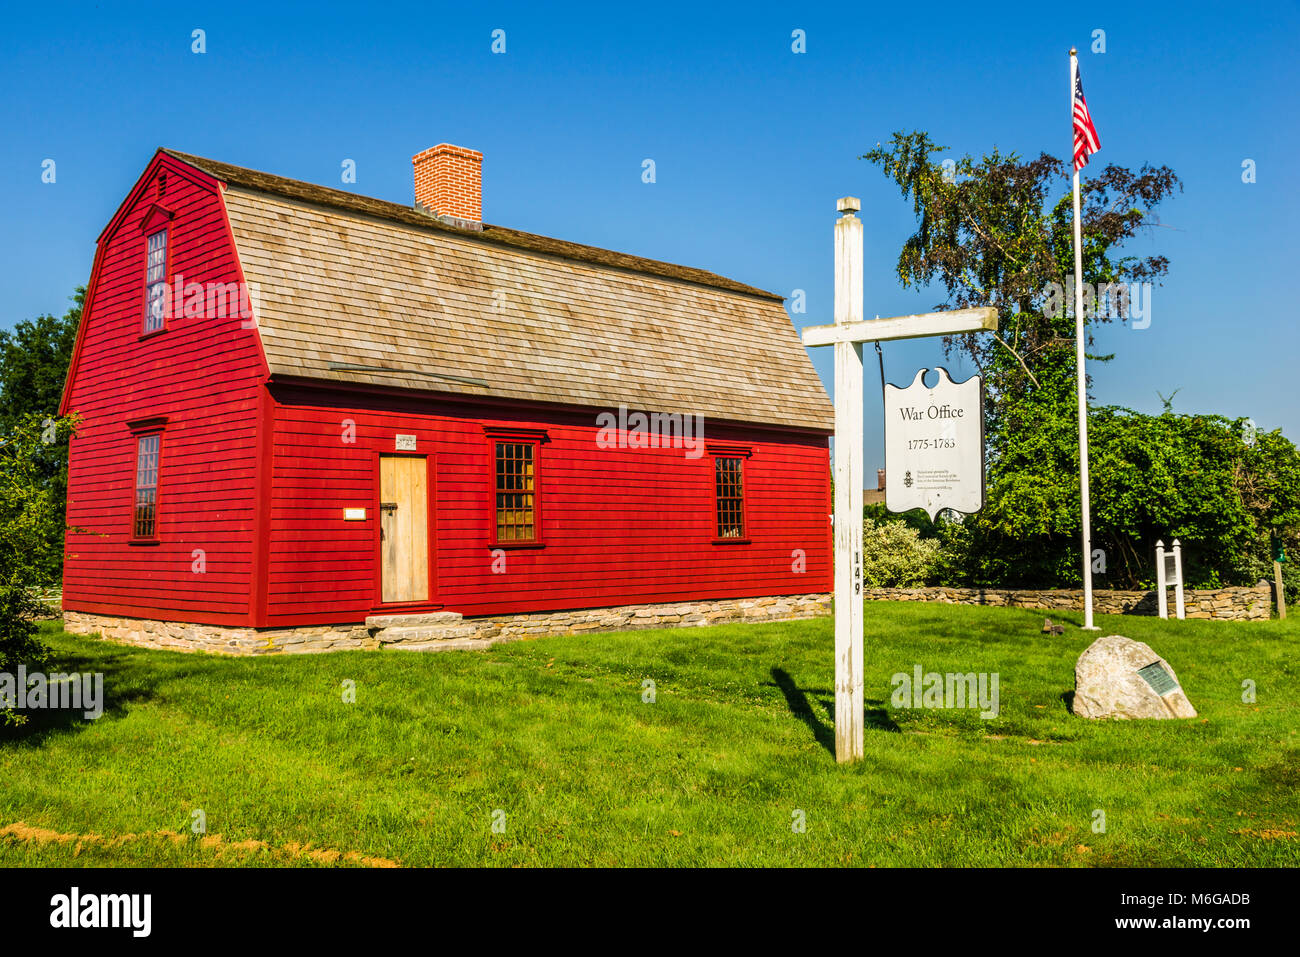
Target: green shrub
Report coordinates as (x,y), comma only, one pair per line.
(895,555)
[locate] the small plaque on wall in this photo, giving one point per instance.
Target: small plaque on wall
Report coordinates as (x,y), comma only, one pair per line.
(405,443)
(354,514)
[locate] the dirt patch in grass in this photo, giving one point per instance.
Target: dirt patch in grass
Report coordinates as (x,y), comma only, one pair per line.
(1269,834)
(20,831)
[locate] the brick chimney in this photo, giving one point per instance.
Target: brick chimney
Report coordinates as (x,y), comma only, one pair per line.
(449,183)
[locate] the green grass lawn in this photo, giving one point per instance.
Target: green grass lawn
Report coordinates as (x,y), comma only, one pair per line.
(555,736)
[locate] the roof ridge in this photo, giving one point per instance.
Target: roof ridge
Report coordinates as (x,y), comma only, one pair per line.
(500,235)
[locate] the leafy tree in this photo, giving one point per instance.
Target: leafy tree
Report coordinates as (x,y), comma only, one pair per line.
(994,232)
(998,231)
(34,361)
(31,533)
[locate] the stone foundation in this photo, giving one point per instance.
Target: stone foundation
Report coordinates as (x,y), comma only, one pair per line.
(222,639)
(442,630)
(1225,604)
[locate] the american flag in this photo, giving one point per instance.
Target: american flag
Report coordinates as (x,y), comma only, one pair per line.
(1086,140)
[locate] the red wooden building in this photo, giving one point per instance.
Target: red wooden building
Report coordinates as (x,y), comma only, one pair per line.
(303,407)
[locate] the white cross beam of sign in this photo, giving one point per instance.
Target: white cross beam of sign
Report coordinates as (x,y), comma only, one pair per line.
(847,335)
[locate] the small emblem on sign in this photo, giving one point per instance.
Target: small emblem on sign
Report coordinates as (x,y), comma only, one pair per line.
(405,443)
(907,479)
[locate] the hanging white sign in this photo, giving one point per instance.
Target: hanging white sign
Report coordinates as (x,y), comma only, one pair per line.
(934,445)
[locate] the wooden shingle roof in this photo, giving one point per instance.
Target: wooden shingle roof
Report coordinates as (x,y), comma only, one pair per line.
(342,281)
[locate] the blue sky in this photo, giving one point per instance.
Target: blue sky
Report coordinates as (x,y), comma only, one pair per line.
(752,142)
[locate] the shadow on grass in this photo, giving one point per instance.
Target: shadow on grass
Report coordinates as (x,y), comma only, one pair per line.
(797,700)
(128,678)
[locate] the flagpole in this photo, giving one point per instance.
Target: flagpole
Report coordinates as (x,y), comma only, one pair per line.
(1081,374)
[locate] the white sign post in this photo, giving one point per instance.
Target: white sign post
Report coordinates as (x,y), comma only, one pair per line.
(1169,571)
(847,335)
(934,445)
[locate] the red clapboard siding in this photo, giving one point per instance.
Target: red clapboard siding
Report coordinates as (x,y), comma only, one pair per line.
(619,526)
(205,375)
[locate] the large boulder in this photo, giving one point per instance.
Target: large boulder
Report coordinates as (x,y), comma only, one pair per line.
(1117,677)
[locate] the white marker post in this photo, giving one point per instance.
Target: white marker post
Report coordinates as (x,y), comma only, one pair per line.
(1179,606)
(847,335)
(1162,609)
(1169,571)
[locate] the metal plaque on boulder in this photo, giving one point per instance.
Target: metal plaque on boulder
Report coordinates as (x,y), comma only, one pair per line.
(1161,681)
(934,445)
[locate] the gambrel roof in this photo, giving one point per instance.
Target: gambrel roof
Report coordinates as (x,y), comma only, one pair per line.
(346,280)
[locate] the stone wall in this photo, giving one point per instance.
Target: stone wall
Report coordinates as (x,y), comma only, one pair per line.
(1224,604)
(442,630)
